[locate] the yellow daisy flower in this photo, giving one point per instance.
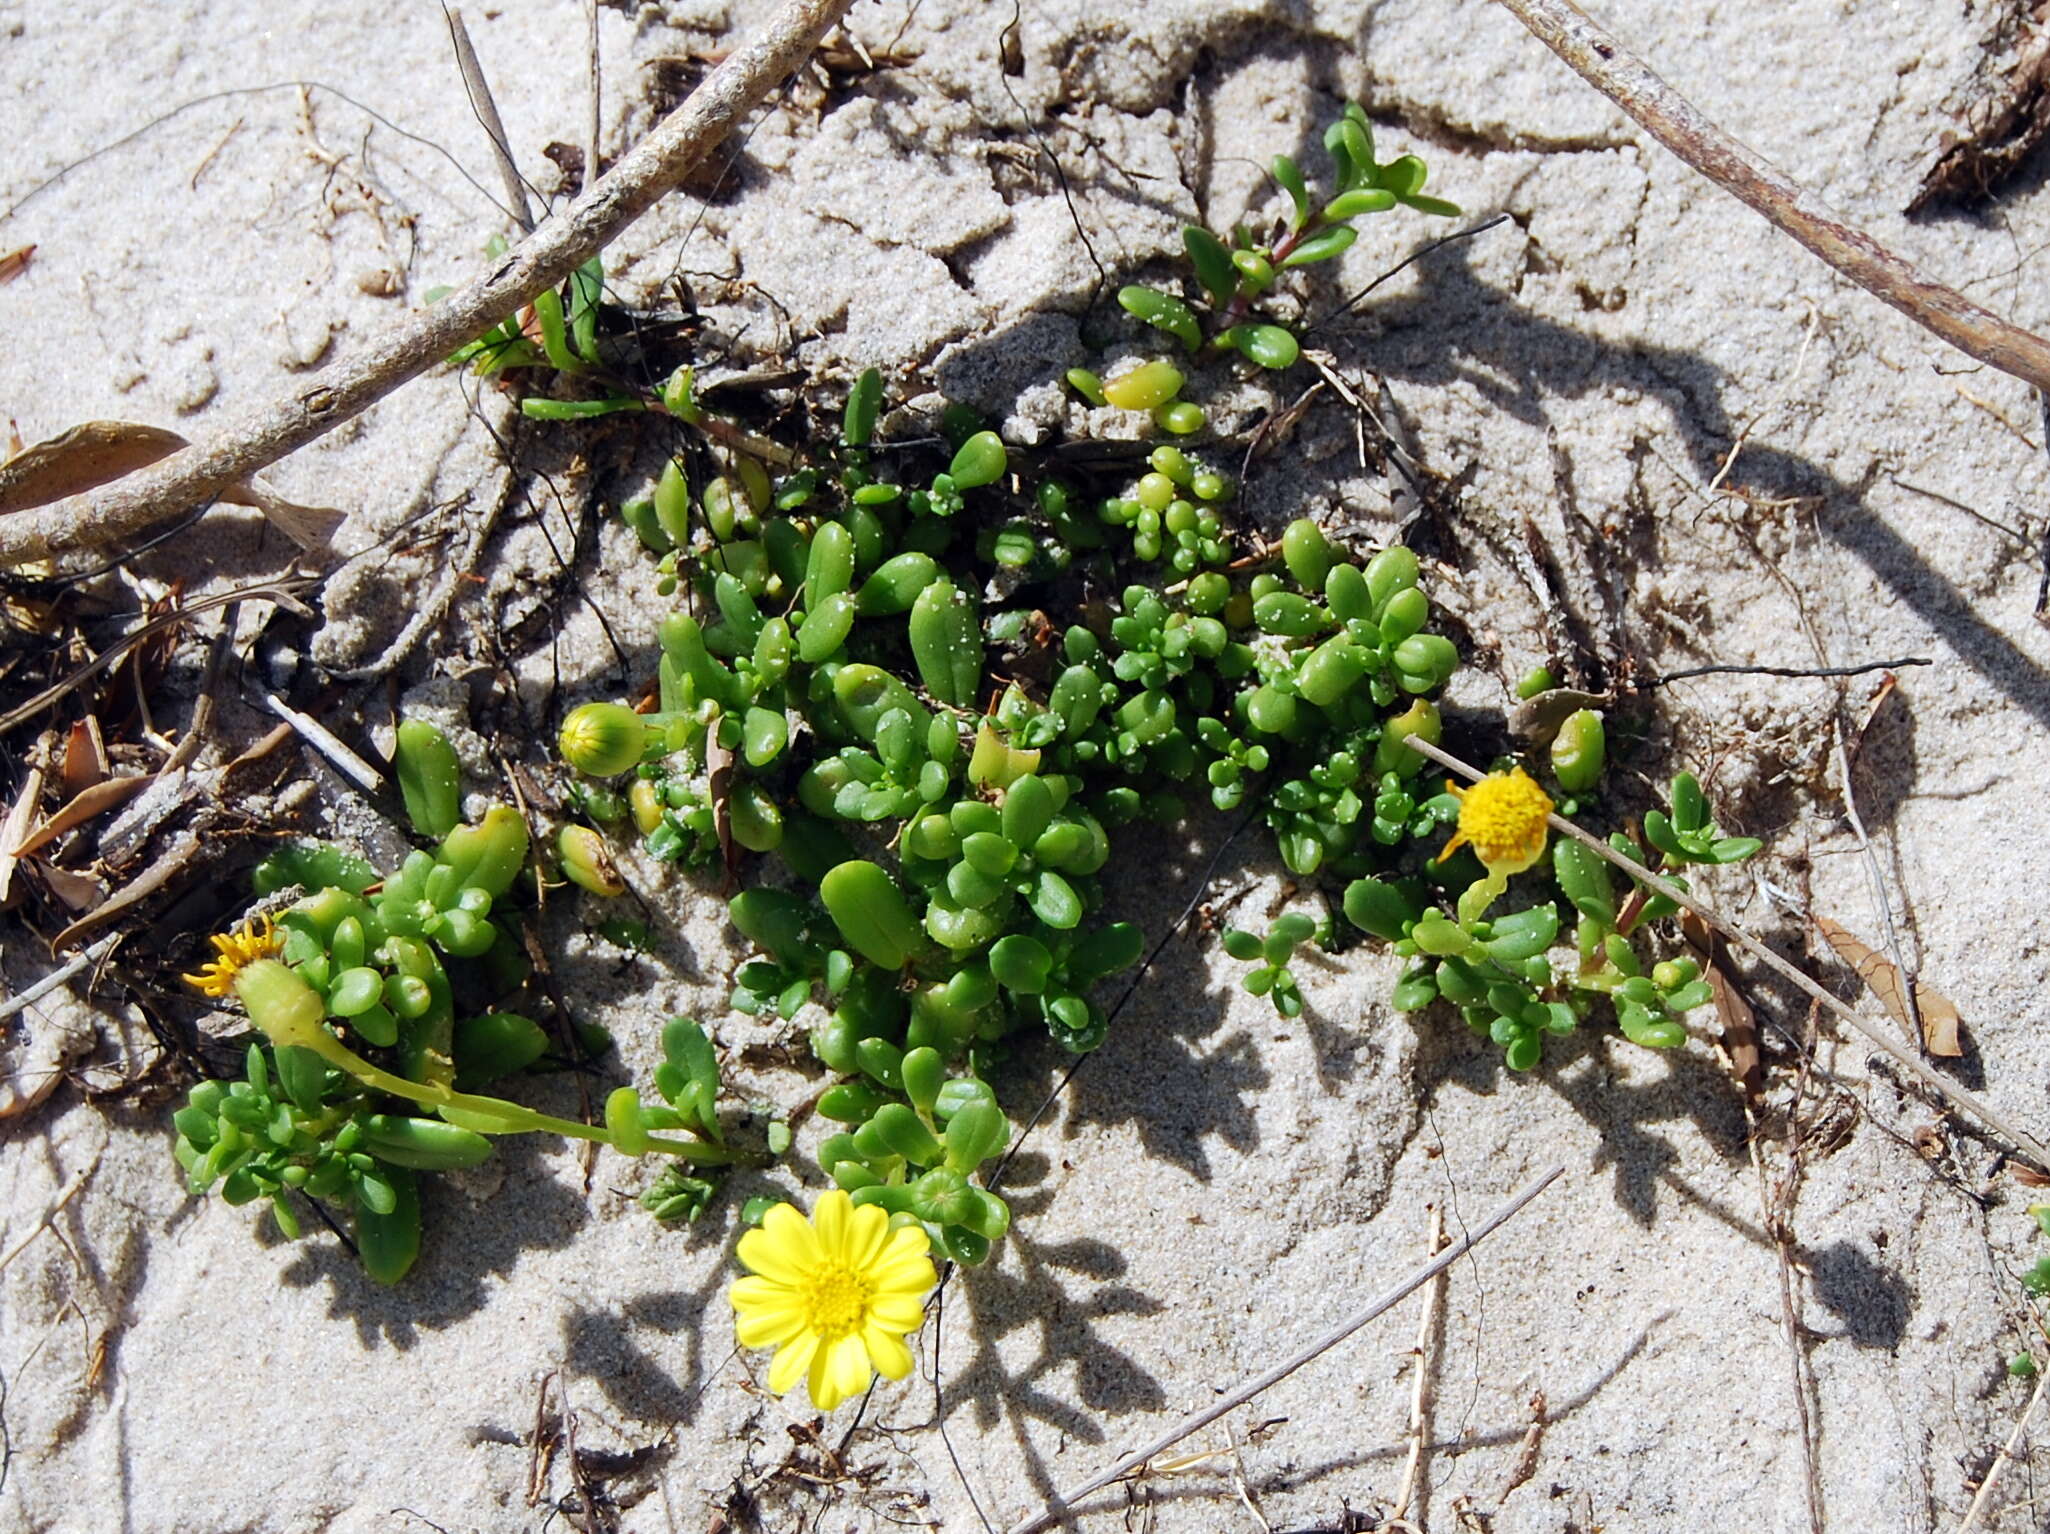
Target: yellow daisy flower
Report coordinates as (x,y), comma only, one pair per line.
(833,1295)
(235,951)
(1502,818)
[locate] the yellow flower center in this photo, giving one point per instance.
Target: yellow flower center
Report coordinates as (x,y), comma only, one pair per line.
(835,1300)
(1502,818)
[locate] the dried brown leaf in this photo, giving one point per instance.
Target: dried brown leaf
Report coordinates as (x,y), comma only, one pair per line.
(1881,696)
(15,828)
(1739,1022)
(1940,1020)
(1537,719)
(96,800)
(2000,129)
(15,262)
(85,757)
(81,459)
(91,455)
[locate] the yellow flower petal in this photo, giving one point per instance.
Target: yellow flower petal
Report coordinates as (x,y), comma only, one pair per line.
(784,1247)
(901,1312)
(833,1217)
(886,1350)
(833,1295)
(867,1232)
(792,1362)
(839,1370)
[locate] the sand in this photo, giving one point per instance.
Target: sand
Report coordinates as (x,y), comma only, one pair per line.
(1218,1184)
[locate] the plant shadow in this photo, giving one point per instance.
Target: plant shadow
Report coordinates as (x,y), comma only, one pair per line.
(1062,1292)
(461,1253)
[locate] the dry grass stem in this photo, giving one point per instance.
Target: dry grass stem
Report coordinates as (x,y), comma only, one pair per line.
(1674,121)
(1232,1399)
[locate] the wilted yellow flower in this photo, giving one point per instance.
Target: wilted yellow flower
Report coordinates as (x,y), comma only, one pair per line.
(233,952)
(833,1295)
(1502,817)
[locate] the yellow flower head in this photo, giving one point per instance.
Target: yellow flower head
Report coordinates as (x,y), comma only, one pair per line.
(833,1296)
(233,952)
(1502,818)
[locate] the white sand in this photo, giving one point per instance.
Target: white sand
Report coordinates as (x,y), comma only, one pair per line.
(1218,1184)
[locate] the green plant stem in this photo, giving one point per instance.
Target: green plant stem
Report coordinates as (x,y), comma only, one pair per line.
(2032,1149)
(517,1119)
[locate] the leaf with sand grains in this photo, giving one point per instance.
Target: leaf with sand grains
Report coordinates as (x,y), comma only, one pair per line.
(1939,1014)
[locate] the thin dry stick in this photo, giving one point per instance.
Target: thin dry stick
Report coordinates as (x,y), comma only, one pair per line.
(1231,1400)
(1420,1389)
(1668,117)
(1777,1214)
(22,1000)
(328,744)
(594,121)
(486,108)
(2031,1148)
(71,1191)
(2000,1463)
(256,438)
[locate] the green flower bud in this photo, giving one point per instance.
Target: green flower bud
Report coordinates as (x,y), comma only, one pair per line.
(1579,750)
(587,861)
(287,1010)
(602,739)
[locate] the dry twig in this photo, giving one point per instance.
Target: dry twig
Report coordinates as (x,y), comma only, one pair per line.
(253,439)
(2001,1462)
(1674,121)
(486,107)
(1420,1385)
(1232,1399)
